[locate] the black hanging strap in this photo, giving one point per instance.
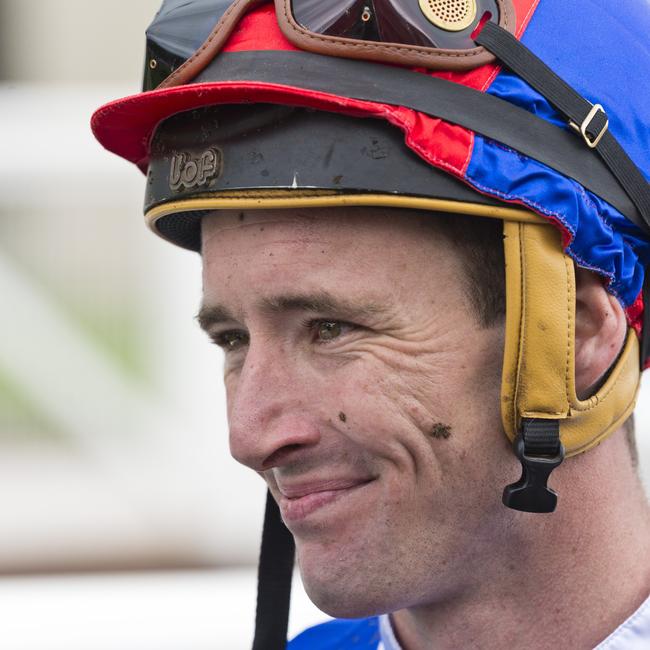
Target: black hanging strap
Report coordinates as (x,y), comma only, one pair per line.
(590,120)
(273,581)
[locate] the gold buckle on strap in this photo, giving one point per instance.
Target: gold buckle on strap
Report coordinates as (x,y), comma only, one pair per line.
(582,129)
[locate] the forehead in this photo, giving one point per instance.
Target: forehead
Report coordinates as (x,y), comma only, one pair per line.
(348,227)
(346,249)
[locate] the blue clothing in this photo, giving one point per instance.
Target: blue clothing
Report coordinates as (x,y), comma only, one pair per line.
(376,633)
(339,634)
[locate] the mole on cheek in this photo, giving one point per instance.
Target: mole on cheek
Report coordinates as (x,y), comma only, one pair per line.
(342,416)
(440,431)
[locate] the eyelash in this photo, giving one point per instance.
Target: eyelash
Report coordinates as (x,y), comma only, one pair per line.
(314,323)
(222,338)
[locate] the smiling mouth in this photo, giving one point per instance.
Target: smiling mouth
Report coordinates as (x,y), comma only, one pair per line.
(307,501)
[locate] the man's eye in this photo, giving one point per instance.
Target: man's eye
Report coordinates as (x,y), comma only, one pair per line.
(328,330)
(232,340)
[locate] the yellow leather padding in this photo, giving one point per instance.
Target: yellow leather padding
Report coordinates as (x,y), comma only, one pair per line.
(538,378)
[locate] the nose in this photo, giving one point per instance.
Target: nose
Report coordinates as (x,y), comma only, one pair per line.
(271,412)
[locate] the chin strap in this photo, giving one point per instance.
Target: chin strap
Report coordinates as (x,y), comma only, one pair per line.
(541,412)
(273,581)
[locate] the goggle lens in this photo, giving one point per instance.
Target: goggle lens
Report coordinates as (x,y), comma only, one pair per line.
(444,24)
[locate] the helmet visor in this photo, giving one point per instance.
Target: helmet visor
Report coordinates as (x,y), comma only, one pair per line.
(446,24)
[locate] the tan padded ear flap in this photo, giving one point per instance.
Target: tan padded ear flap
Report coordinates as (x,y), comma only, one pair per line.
(539,358)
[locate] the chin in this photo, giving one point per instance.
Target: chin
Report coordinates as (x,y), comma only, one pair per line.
(340,602)
(343,590)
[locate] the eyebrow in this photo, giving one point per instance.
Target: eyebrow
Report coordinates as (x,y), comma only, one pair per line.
(320,302)
(211,315)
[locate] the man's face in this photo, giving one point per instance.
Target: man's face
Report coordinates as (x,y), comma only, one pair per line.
(361,388)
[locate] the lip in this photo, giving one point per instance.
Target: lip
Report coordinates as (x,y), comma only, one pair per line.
(299,501)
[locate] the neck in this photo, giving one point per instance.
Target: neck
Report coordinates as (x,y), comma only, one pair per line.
(562,580)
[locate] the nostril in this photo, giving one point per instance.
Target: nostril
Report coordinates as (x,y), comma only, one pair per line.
(280,456)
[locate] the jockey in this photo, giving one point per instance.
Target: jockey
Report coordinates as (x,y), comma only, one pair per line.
(425,234)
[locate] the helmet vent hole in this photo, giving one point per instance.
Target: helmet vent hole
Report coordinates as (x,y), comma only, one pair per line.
(450,15)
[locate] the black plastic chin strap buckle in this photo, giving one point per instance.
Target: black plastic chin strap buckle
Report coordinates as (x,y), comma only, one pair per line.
(540,451)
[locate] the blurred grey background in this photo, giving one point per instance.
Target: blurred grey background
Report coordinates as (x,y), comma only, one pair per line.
(123,521)
(114,442)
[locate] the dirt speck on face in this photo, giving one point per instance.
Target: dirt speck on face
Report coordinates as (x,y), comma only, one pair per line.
(342,416)
(440,431)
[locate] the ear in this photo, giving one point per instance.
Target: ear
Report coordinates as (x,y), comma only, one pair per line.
(601,328)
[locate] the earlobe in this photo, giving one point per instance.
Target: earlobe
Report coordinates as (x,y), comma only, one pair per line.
(601,328)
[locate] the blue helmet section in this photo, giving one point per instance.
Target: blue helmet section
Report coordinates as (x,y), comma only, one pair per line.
(601,49)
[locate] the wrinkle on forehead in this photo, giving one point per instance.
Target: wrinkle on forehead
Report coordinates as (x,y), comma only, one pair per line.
(223,221)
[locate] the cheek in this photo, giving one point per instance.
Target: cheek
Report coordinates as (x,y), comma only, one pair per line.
(435,415)
(382,411)
(267,388)
(419,389)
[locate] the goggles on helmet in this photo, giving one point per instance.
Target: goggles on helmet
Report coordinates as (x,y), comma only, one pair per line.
(435,34)
(439,24)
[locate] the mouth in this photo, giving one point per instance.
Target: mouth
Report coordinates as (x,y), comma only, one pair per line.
(300,502)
